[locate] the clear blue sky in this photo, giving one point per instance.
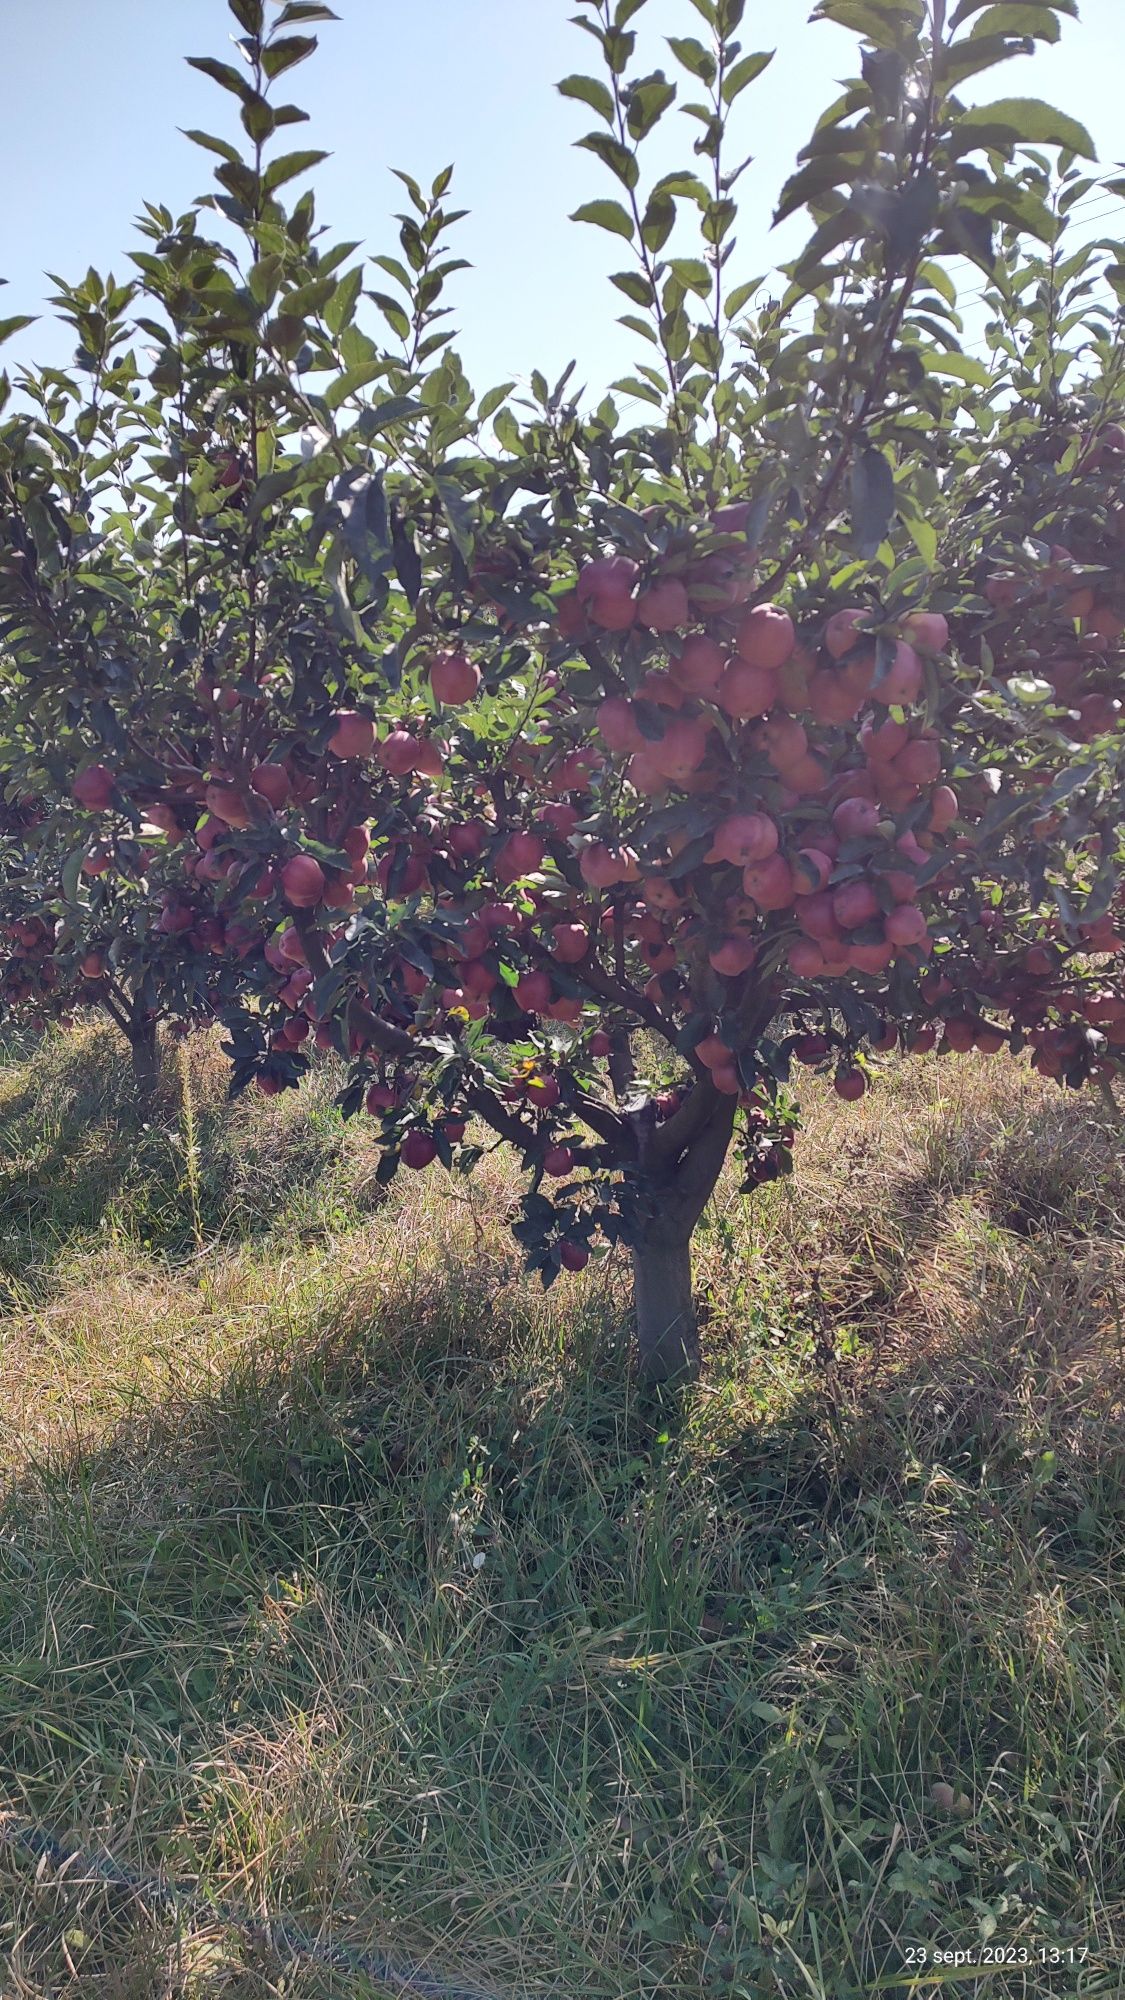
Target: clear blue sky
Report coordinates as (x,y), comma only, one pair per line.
(95,91)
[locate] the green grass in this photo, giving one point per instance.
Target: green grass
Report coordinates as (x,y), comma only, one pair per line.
(346,1575)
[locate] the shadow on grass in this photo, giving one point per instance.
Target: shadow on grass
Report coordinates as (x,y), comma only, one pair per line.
(415,1627)
(79,1155)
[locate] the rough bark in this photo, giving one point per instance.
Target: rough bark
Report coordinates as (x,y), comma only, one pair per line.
(667,1327)
(681,1183)
(145,1051)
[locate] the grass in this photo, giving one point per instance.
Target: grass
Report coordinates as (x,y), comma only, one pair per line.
(345,1575)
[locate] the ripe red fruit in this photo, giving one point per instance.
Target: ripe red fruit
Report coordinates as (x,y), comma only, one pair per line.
(534,992)
(427,759)
(271,782)
(557,1161)
(902,683)
(454,679)
(681,749)
(96,862)
(700,664)
(746,689)
(599,1043)
(573,1256)
(783,740)
(927,631)
(811,1049)
(769,883)
(817,917)
(93,788)
(853,904)
(617,725)
(397,753)
(920,762)
(356,844)
(92,965)
(849,1084)
(961,1033)
(227,803)
(601,866)
(713,1051)
(571,941)
(766,637)
(844,631)
(302,882)
(661,895)
(521,854)
(811,869)
(663,607)
(906,925)
(743,838)
(806,960)
(543,1090)
(733,956)
(855,819)
(418,1149)
(605,588)
(570,616)
(353,736)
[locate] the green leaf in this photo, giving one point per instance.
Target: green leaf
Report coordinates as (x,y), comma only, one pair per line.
(507,431)
(212,145)
(968,8)
(741,296)
(393,313)
(873,499)
(648,100)
(658,221)
(689,186)
(965,367)
(287,166)
(638,326)
(606,215)
(694,57)
(392,410)
(1024,121)
(924,536)
(588,90)
(339,310)
(286,53)
(459,514)
(1018,18)
(744,73)
(223,74)
(270,489)
(15,324)
(491,401)
(635,286)
(693,274)
(613,155)
(631,385)
(304,10)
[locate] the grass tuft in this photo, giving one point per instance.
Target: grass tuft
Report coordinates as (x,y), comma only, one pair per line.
(345,1575)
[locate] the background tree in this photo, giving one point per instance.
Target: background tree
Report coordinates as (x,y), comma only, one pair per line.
(576,778)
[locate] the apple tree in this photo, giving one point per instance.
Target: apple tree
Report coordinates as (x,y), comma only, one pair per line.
(577,769)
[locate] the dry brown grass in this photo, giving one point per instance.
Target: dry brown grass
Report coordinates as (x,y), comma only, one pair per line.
(677,1730)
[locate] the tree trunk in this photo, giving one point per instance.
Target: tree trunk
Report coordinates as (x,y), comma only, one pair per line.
(683,1161)
(667,1328)
(145,1050)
